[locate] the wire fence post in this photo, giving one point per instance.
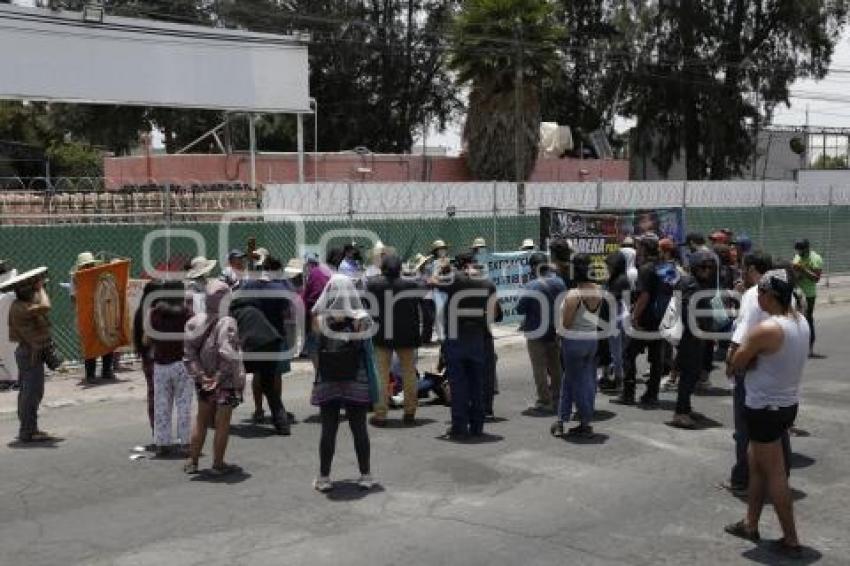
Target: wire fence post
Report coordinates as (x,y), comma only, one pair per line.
(761,213)
(685,205)
(828,251)
(599,194)
(167,210)
(495,215)
(351,208)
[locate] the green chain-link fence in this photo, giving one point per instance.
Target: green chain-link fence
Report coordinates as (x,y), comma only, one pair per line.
(772,228)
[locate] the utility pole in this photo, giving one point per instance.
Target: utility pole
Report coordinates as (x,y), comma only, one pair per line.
(518,165)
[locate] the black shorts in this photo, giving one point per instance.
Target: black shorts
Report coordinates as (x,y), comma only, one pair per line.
(767,425)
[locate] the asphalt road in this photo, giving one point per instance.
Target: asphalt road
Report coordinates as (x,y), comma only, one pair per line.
(640,493)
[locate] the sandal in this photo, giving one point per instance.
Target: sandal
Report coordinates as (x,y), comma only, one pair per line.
(740,530)
(779,546)
(224,470)
(190,468)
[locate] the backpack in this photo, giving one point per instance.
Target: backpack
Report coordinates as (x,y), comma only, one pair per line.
(339,358)
(668,278)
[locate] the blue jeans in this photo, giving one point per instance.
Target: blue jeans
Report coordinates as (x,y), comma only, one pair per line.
(578,360)
(615,347)
(465,364)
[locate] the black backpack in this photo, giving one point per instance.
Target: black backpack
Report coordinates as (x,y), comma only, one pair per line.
(339,358)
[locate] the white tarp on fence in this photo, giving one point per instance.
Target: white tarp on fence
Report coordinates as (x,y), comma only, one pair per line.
(482,199)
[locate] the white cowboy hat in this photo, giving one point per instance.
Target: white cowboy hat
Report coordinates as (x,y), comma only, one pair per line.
(19,280)
(527,244)
(438,245)
(261,255)
(85,259)
(418,261)
(200,267)
(294,268)
(479,243)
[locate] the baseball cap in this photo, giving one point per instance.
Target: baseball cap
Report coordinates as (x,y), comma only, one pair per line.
(776,281)
(236,254)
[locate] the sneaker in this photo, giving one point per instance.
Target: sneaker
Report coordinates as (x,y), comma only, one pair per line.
(409,420)
(581,431)
(323,484)
(557,429)
(379,422)
(649,402)
(683,421)
(259,417)
(366,482)
(607,384)
(623,400)
(282,428)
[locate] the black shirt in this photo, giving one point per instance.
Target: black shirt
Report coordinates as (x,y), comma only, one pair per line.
(404,332)
(648,282)
(470,311)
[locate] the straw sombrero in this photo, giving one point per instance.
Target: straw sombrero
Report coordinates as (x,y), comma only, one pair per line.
(22,279)
(200,267)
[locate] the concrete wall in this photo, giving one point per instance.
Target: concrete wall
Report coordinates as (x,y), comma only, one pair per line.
(336,167)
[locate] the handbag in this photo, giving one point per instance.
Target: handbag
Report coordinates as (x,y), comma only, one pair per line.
(672,326)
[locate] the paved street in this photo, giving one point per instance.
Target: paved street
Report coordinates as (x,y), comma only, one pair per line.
(642,493)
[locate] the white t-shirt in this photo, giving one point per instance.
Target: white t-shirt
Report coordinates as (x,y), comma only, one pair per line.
(750,315)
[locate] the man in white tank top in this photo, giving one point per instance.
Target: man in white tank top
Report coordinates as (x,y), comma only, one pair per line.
(773,355)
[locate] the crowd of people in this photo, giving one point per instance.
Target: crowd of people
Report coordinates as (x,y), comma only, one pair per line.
(361,324)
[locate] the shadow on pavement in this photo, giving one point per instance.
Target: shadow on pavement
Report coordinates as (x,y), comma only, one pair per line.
(252,431)
(796,495)
(233,478)
(595,439)
(485,438)
(763,554)
(348,490)
(713,392)
(398,423)
(799,432)
(51,443)
(799,461)
(601,415)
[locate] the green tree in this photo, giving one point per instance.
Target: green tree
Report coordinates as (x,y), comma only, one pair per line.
(829,162)
(707,74)
(504,50)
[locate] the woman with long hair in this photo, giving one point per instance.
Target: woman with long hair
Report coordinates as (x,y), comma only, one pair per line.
(579,342)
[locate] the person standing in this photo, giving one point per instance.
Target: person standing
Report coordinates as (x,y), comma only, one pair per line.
(143,346)
(316,278)
(29,326)
(197,275)
(432,304)
(619,287)
(86,260)
(234,273)
(773,356)
(808,269)
(342,377)
(397,323)
(691,347)
(260,309)
(172,385)
(579,341)
(538,304)
(351,264)
(749,317)
(646,316)
(213,359)
(471,305)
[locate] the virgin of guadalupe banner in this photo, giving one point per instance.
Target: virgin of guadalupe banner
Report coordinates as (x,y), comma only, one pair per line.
(101,297)
(508,271)
(600,233)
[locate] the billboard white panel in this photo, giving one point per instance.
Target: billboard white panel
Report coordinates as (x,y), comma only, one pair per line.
(56,57)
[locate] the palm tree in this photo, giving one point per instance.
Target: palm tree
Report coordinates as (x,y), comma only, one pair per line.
(504,50)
